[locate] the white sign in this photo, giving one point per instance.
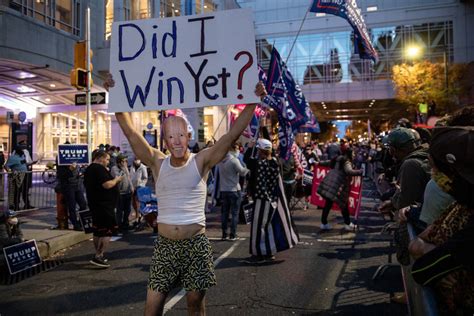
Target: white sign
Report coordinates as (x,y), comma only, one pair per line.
(183,62)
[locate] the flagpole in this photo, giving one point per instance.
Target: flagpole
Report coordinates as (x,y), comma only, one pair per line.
(296,37)
(281,74)
(222,119)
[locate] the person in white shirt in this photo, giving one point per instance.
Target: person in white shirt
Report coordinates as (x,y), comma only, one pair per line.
(139,176)
(182,250)
(230,171)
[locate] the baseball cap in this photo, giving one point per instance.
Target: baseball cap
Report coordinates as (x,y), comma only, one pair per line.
(400,137)
(264,144)
(454,147)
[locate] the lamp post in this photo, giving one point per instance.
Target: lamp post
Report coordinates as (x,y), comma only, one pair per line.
(413,51)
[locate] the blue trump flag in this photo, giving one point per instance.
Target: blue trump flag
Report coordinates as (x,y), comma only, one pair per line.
(281,84)
(285,132)
(312,126)
(348,10)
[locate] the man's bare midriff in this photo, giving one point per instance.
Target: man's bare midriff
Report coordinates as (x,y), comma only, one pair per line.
(177,232)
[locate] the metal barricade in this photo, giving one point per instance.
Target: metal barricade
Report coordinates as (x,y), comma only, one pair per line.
(421,299)
(28,190)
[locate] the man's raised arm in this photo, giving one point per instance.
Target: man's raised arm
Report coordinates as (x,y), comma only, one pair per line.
(216,153)
(147,154)
(143,151)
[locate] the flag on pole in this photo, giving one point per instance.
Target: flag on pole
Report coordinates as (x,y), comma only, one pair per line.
(312,126)
(348,10)
(281,84)
(285,132)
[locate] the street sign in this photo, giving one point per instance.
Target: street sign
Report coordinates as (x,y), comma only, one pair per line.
(96,98)
(10,117)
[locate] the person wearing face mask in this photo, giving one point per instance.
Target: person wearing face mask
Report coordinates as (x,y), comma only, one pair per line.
(230,169)
(139,176)
(182,251)
(102,196)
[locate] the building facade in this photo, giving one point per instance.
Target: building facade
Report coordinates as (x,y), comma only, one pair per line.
(36,56)
(338,84)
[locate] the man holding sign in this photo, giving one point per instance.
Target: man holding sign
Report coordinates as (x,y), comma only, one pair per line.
(182,250)
(182,62)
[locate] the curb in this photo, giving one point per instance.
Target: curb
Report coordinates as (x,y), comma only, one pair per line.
(48,247)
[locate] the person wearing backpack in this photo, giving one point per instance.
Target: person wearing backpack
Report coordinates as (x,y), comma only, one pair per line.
(335,187)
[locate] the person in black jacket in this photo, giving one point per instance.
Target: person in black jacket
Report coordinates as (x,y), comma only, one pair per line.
(70,184)
(335,188)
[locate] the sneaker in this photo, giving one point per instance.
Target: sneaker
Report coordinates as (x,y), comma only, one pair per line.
(350,227)
(255,259)
(100,262)
(224,237)
(104,259)
(269,258)
(325,227)
(233,238)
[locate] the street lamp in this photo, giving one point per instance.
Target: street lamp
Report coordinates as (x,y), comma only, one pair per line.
(413,51)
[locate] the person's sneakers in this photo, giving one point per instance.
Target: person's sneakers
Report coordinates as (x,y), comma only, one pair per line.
(350,227)
(254,260)
(325,227)
(269,258)
(100,262)
(233,238)
(224,237)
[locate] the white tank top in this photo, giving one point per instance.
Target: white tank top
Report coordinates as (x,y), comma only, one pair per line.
(181,193)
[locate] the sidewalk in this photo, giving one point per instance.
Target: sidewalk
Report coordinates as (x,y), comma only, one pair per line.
(40,224)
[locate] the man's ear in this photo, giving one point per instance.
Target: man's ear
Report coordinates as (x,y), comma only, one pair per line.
(189,135)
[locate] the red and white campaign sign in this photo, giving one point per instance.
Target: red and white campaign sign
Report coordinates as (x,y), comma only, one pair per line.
(354,194)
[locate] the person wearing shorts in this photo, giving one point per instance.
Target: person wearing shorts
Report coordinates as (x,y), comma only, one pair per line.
(187,261)
(182,252)
(102,196)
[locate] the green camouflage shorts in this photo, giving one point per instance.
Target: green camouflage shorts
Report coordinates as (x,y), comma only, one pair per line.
(189,261)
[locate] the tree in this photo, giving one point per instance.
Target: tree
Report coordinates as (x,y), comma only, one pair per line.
(425,82)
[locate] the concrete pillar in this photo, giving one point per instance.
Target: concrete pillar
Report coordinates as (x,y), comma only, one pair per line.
(155,8)
(119,11)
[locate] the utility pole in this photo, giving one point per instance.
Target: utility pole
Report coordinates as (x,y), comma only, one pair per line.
(89,77)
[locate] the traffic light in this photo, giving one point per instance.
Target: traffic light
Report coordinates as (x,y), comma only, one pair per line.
(79,75)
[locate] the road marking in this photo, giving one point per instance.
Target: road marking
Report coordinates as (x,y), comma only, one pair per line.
(178,296)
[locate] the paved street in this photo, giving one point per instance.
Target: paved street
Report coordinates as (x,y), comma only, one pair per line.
(325,274)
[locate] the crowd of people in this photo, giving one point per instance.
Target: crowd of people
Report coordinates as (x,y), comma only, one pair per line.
(423,177)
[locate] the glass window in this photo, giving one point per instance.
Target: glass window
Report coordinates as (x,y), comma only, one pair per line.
(140,9)
(63,15)
(109,18)
(170,8)
(330,57)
